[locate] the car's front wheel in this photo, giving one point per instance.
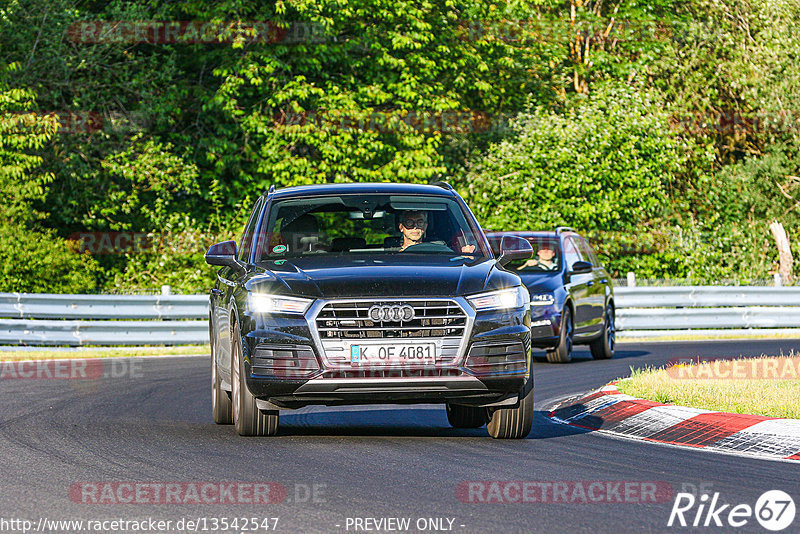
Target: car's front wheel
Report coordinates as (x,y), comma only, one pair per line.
(221,409)
(563,352)
(465,416)
(512,423)
(247,418)
(603,347)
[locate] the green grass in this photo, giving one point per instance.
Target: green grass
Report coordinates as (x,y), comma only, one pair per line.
(689,386)
(110,352)
(705,337)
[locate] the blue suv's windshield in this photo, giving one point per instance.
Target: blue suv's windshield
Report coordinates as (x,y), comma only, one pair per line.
(367,224)
(547,255)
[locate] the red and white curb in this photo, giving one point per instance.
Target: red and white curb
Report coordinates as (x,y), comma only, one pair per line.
(607,410)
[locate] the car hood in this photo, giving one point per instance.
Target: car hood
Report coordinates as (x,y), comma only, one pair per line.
(380,275)
(542,282)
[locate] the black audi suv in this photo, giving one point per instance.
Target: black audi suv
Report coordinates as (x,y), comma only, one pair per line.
(572,296)
(364,294)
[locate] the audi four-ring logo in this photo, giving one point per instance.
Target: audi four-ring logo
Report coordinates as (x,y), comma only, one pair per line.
(391,312)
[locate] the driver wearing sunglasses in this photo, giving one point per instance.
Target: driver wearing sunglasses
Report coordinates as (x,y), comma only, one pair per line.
(413,225)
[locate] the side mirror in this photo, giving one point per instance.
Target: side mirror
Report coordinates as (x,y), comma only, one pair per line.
(224,255)
(581,267)
(514,248)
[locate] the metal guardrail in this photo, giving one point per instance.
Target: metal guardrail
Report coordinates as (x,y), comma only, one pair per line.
(77,333)
(707,296)
(707,310)
(76,320)
(49,306)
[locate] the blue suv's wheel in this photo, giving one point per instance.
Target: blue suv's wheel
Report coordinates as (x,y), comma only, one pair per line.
(603,347)
(563,352)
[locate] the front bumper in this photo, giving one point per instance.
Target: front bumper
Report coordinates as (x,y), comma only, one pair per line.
(545,327)
(490,367)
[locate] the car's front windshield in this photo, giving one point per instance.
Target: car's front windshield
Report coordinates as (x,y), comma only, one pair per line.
(546,257)
(367,224)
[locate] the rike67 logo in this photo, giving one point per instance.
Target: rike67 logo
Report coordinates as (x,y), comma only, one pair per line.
(774,510)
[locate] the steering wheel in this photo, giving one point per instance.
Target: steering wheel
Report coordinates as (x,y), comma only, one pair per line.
(429,246)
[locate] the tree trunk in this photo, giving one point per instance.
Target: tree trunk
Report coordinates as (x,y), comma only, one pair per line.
(784,252)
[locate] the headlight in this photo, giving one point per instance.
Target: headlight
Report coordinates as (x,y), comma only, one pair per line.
(543,299)
(500,300)
(261,303)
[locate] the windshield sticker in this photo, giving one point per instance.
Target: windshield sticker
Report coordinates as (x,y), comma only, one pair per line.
(280,262)
(278,249)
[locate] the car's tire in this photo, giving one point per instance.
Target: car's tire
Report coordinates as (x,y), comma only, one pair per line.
(512,423)
(466,416)
(603,347)
(221,407)
(247,418)
(563,352)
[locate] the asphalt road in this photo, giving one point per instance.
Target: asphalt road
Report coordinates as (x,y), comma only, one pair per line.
(150,423)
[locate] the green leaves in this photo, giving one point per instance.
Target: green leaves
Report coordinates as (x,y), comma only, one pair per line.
(599,163)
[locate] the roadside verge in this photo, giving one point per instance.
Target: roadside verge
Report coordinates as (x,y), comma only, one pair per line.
(609,411)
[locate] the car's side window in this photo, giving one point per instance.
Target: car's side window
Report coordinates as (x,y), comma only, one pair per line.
(586,252)
(595,259)
(249,230)
(571,252)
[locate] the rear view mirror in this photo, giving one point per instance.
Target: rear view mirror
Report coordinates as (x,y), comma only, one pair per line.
(514,248)
(224,255)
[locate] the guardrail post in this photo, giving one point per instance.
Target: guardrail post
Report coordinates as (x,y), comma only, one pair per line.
(166,290)
(631,280)
(778,281)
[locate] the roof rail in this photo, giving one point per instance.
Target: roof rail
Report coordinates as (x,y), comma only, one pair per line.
(269,191)
(443,185)
(564,229)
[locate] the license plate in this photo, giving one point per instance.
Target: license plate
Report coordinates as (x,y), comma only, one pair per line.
(393,354)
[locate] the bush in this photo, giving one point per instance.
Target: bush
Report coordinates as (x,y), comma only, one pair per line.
(602,163)
(41,262)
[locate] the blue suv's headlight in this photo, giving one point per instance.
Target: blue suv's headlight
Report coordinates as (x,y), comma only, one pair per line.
(543,299)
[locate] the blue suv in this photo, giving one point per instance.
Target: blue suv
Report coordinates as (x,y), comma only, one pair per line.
(572,297)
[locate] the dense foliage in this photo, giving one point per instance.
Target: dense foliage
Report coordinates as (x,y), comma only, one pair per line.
(666,130)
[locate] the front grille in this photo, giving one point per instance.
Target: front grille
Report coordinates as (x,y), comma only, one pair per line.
(339,323)
(350,320)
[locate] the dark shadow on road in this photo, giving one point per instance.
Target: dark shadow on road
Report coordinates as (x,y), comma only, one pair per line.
(584,356)
(412,423)
(546,428)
